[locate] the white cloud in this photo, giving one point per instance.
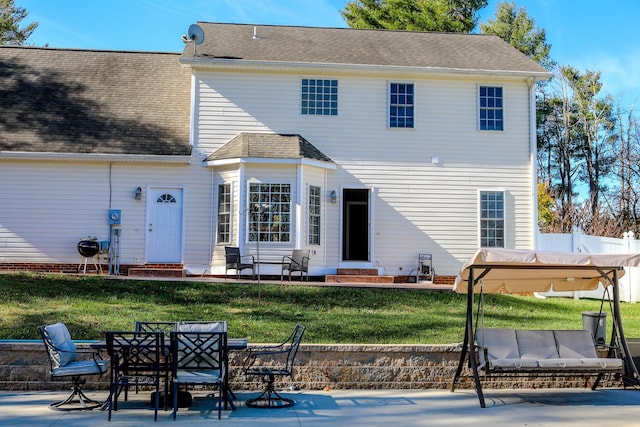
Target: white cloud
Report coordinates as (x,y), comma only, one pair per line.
(620,72)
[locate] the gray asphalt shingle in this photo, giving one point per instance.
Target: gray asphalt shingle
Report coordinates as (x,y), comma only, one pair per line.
(428,50)
(81,101)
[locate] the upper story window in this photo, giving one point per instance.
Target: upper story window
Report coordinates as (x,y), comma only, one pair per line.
(270,212)
(314,215)
(319,97)
(401,105)
(492,219)
(224,213)
(491,108)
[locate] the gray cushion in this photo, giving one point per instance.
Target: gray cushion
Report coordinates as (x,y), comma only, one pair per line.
(602,363)
(201,327)
(209,376)
(537,345)
(575,344)
(560,363)
(500,343)
(513,363)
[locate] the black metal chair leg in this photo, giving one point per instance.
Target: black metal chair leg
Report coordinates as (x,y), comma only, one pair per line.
(270,398)
(77,400)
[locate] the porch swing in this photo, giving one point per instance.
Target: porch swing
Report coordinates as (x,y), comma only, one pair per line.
(552,353)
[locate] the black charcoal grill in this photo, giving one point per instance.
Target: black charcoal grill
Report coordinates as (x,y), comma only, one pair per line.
(89,248)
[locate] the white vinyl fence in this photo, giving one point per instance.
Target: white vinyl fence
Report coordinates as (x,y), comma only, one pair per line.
(577,242)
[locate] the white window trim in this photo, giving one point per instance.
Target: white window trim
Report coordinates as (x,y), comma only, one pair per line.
(246,209)
(504,215)
(308,233)
(504,107)
(231,210)
(318,115)
(415,103)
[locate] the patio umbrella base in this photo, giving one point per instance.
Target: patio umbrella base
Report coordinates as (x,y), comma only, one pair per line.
(184,399)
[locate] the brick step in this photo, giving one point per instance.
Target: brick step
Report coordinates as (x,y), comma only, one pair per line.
(355,278)
(157,272)
(358,271)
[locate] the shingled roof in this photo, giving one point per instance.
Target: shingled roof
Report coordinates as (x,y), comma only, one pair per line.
(268,146)
(96,102)
(346,46)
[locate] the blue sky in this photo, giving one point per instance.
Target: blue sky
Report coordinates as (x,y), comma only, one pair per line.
(588,34)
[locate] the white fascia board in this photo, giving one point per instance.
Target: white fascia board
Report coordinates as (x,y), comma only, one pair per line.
(90,157)
(234,64)
(270,161)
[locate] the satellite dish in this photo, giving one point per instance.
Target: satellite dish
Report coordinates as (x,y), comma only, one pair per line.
(195,34)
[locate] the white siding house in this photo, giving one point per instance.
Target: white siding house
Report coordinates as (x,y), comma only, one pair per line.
(400,191)
(365,147)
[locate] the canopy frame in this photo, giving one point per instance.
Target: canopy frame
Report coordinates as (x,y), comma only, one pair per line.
(478,269)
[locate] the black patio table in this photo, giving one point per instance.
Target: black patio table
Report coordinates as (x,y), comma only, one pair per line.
(233,344)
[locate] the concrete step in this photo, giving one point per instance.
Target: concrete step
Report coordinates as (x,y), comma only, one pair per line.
(157,272)
(358,271)
(355,278)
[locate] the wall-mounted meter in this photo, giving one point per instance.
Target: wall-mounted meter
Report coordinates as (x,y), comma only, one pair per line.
(115,217)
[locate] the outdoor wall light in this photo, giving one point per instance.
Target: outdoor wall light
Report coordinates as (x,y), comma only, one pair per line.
(138,193)
(333,196)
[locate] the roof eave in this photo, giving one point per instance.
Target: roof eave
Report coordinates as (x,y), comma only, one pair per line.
(132,158)
(273,161)
(235,64)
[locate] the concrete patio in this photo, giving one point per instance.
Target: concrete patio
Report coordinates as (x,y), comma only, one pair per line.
(508,408)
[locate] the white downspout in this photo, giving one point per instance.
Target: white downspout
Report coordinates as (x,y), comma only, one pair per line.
(533,149)
(212,228)
(299,201)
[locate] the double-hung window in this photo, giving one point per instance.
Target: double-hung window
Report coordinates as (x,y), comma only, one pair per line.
(491,108)
(401,105)
(492,219)
(269,212)
(319,97)
(314,215)
(224,213)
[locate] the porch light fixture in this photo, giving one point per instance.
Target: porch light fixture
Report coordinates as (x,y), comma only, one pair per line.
(138,193)
(333,196)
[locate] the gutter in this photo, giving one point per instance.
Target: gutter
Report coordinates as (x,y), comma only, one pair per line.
(273,161)
(91,157)
(222,64)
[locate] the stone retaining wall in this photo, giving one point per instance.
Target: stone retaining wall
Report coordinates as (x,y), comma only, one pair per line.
(24,366)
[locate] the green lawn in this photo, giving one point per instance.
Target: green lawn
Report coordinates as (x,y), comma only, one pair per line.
(90,305)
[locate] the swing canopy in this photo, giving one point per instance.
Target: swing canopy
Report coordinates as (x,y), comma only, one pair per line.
(515,271)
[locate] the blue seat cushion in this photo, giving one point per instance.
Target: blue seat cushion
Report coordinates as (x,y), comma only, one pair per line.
(61,339)
(81,367)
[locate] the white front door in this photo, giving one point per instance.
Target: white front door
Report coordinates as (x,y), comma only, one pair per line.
(164,225)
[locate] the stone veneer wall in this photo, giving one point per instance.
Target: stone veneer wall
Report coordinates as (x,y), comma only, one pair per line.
(24,366)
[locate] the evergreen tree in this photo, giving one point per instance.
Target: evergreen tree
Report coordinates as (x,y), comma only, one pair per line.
(459,16)
(10,18)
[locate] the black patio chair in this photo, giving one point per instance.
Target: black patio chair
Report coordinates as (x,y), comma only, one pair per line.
(63,362)
(235,261)
(137,359)
(164,327)
(297,261)
(198,359)
(274,361)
